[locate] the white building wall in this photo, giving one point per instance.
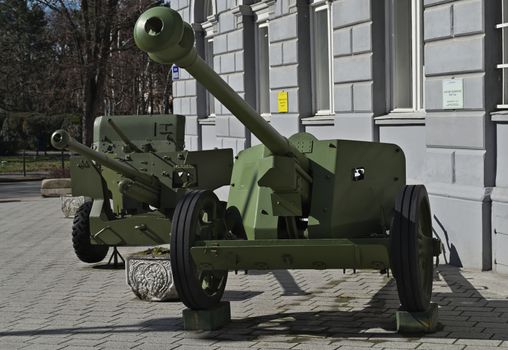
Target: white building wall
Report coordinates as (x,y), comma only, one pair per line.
(453,152)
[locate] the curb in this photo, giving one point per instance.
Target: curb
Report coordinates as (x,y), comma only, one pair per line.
(21,178)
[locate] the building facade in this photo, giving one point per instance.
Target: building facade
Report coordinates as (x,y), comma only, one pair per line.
(428,75)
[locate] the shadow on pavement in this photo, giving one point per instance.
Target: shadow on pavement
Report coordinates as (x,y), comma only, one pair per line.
(464,313)
(239,295)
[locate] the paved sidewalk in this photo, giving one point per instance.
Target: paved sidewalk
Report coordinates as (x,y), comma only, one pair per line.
(50,300)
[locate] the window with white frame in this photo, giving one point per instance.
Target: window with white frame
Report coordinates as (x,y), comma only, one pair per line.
(406,56)
(210,102)
(208,25)
(321,57)
(209,8)
(262,68)
(503,26)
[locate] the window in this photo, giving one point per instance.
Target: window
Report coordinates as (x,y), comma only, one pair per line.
(406,56)
(504,64)
(210,101)
(321,60)
(206,16)
(262,69)
(209,8)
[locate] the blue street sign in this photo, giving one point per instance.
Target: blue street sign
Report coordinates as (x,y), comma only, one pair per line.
(175,70)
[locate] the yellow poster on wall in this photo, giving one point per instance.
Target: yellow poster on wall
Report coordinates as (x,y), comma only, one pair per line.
(282,99)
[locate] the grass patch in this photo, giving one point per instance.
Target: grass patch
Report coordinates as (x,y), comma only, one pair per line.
(14,164)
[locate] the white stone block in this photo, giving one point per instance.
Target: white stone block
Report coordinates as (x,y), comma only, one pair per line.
(468,17)
(439,165)
(150,277)
(362,38)
(342,42)
(343,97)
(455,55)
(347,12)
(353,68)
(438,22)
(70,205)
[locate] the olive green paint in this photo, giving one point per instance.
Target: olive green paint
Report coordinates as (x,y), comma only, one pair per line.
(136,172)
(301,203)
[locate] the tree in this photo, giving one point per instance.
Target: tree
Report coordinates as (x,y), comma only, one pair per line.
(97,33)
(11,135)
(25,52)
(91,26)
(77,57)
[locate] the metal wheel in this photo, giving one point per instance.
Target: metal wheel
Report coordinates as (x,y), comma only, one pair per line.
(199,215)
(411,248)
(86,251)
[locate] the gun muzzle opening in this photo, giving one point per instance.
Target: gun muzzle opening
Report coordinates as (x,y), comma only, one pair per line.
(154,26)
(59,139)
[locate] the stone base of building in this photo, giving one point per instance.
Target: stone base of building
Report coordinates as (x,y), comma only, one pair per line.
(500,230)
(462,220)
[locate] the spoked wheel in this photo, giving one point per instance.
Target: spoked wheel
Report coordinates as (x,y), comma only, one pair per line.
(199,215)
(86,251)
(411,250)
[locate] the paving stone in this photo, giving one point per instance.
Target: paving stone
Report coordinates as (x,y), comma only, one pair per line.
(41,347)
(195,347)
(434,340)
(275,345)
(358,343)
(479,342)
(117,345)
(315,347)
(82,342)
(71,305)
(442,346)
(150,346)
(396,345)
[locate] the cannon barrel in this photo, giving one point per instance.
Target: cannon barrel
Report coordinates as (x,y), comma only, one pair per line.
(62,140)
(161,32)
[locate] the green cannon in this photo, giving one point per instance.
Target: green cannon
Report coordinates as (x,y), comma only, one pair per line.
(135,173)
(297,203)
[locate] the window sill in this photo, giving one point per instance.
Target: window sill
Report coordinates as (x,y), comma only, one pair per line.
(207,121)
(266,116)
(401,118)
(499,116)
(319,119)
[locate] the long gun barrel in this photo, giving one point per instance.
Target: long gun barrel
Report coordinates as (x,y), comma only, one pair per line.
(62,140)
(161,32)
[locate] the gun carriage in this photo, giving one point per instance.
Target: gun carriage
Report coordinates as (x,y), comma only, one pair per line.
(135,173)
(297,203)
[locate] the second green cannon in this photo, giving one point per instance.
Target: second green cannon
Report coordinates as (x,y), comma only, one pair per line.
(134,175)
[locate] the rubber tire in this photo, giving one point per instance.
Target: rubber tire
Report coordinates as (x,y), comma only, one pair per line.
(86,251)
(182,266)
(414,282)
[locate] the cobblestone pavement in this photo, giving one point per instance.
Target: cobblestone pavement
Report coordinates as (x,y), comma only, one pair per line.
(49,300)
